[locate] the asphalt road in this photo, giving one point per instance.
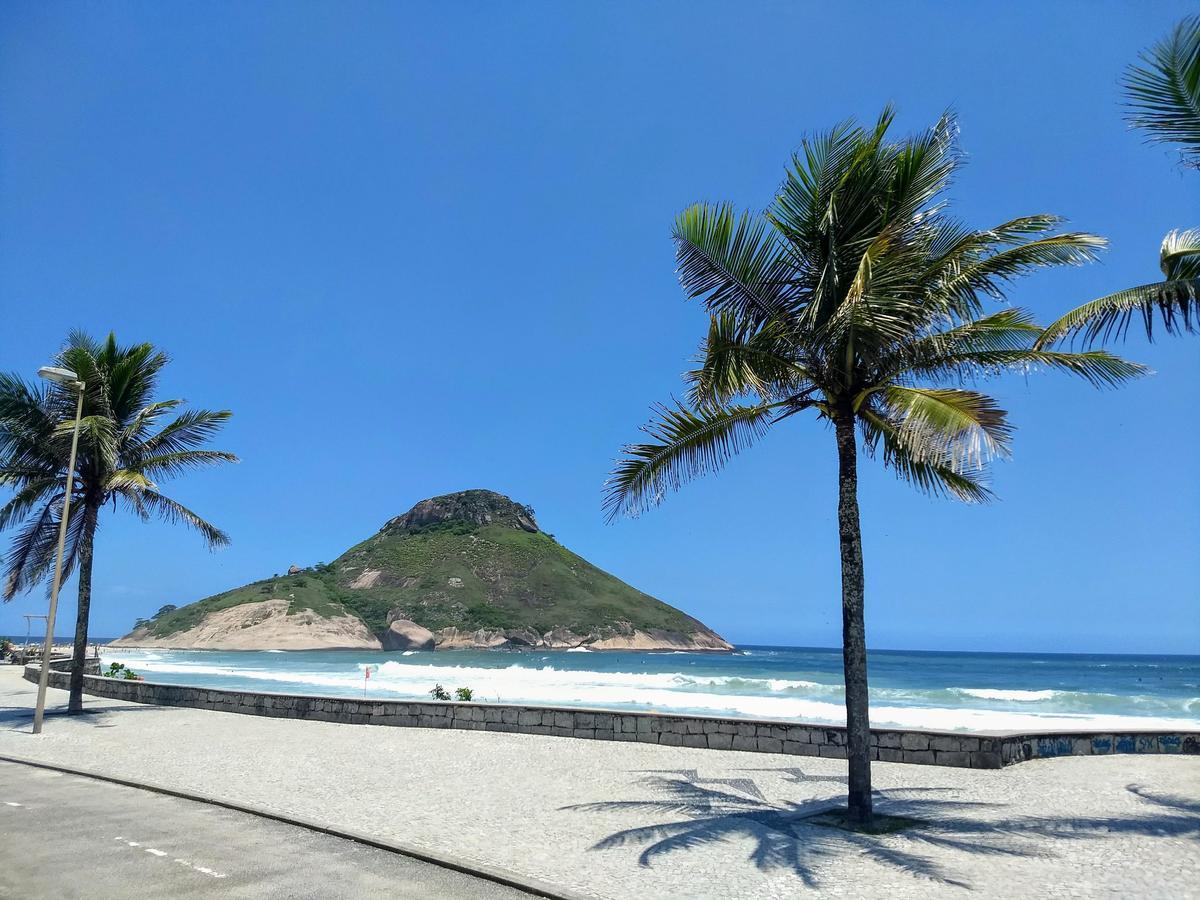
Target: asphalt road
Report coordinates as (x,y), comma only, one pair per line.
(64,836)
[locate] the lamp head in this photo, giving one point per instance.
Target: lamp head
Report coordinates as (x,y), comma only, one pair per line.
(59,376)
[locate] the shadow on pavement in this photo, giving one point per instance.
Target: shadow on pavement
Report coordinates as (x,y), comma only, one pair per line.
(800,836)
(21,717)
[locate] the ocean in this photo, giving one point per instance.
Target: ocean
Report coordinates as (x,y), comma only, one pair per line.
(936,690)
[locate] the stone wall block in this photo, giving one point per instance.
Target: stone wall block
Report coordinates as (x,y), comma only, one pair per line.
(952,758)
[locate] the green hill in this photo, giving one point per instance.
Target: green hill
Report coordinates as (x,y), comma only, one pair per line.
(470,569)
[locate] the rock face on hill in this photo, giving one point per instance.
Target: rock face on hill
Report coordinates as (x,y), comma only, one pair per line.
(469,570)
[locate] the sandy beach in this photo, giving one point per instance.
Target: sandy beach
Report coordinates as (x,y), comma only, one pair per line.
(625,820)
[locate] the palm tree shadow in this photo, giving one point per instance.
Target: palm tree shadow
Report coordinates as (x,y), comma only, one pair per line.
(20,718)
(800,837)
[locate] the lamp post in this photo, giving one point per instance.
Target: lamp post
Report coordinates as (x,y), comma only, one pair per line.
(69,379)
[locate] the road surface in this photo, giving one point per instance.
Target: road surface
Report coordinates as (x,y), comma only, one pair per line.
(65,836)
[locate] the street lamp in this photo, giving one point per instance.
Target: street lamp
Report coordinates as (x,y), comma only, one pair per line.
(68,379)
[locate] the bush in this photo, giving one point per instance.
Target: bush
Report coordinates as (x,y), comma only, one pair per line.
(463,693)
(120,670)
(439,693)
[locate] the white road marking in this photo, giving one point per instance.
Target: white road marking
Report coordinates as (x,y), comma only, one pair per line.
(203,870)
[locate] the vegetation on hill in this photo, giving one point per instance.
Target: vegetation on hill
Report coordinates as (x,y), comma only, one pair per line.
(438,567)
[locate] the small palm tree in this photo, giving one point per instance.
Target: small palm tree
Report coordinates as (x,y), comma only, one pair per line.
(125,445)
(1164,100)
(856,296)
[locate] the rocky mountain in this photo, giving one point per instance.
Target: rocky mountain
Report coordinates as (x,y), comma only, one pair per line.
(464,570)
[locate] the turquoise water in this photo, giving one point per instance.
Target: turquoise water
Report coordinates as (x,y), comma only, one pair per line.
(976,691)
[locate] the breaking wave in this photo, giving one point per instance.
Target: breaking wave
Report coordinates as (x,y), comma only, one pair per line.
(946,708)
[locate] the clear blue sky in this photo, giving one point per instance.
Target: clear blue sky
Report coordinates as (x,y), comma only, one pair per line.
(444,228)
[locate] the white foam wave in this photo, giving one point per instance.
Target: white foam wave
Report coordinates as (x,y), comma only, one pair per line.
(1017,696)
(671,691)
(408,653)
(578,650)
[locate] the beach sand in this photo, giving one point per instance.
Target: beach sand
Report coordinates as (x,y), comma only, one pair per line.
(582,814)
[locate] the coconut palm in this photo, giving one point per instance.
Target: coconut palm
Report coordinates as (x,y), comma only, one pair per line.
(856,297)
(127,442)
(1163,94)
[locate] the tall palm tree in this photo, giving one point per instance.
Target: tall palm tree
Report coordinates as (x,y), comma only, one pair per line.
(857,297)
(1163,95)
(126,443)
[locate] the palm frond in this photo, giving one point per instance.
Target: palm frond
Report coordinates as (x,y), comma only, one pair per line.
(1098,367)
(735,361)
(172,464)
(951,423)
(1175,303)
(1164,90)
(729,261)
(1179,256)
(176,513)
(186,431)
(684,444)
(937,474)
(125,481)
(31,549)
(97,436)
(963,279)
(146,418)
(29,495)
(999,343)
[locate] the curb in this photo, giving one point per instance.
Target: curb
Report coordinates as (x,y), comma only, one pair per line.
(477,870)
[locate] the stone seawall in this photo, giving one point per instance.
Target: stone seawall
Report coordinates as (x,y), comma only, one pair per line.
(977,751)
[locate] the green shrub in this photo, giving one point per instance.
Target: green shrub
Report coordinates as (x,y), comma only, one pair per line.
(463,693)
(439,693)
(120,670)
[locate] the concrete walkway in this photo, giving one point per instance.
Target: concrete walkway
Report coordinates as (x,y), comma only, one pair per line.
(641,820)
(65,836)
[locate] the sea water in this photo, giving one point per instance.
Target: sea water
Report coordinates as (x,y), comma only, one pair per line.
(938,690)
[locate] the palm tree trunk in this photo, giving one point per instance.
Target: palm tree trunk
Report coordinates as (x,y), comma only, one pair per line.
(854,640)
(90,515)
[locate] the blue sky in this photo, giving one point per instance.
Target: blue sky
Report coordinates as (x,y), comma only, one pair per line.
(444,231)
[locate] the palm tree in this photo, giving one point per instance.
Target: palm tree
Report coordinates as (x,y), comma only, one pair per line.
(1163,94)
(125,444)
(857,297)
